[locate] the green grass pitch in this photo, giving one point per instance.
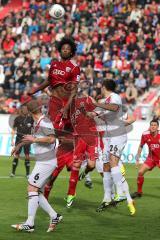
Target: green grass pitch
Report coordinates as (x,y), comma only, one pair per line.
(82,221)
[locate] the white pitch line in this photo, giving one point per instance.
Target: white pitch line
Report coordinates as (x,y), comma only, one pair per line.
(65,177)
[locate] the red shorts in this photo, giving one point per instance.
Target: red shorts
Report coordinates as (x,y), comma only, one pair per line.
(66,159)
(151,163)
(55,106)
(83,150)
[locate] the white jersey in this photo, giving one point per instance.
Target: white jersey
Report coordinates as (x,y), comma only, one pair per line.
(113,120)
(100,123)
(44,151)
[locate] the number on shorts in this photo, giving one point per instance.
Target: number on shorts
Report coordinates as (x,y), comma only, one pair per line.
(113,148)
(36,177)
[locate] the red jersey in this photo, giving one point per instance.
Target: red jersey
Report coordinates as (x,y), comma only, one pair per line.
(81,123)
(153,143)
(62,72)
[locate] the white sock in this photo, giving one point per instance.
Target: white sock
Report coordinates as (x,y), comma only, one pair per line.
(88,178)
(126,191)
(32,207)
(107,184)
(117,179)
(113,189)
(43,203)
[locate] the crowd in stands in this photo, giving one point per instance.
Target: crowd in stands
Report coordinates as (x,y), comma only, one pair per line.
(117,39)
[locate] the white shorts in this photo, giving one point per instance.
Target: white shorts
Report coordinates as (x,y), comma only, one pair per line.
(114,146)
(41,172)
(99,165)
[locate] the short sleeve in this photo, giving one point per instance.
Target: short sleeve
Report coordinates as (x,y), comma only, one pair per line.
(143,141)
(47,127)
(115,99)
(15,123)
(50,71)
(75,74)
(90,106)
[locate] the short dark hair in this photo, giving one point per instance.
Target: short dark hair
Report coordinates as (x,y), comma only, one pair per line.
(154,120)
(110,85)
(70,42)
(34,106)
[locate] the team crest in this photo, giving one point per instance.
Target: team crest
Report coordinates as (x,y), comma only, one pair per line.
(68,69)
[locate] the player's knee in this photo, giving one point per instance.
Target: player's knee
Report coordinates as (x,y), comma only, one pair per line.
(32,188)
(15,161)
(91,165)
(27,163)
(141,172)
(106,167)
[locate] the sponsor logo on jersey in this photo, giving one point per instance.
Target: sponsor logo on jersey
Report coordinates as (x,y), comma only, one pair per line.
(58,72)
(155,146)
(75,115)
(68,69)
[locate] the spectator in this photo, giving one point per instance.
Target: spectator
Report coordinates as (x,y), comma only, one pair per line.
(2,76)
(141,84)
(131,94)
(116,39)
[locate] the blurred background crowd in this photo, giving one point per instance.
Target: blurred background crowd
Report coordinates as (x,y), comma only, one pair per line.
(118,39)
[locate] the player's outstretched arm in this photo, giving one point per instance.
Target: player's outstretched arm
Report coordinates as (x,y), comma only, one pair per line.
(72,96)
(138,154)
(131,119)
(16,148)
(41,87)
(12,136)
(107,106)
(48,139)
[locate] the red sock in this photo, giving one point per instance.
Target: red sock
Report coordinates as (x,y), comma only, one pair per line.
(47,190)
(73,182)
(140,181)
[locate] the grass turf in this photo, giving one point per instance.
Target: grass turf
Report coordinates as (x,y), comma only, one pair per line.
(82,221)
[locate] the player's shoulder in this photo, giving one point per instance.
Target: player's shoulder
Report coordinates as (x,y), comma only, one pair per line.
(54,63)
(46,122)
(113,98)
(73,63)
(145,133)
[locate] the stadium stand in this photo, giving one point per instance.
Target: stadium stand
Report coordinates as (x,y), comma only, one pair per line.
(116,39)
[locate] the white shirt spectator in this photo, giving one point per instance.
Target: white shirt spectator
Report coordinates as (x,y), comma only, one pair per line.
(2,76)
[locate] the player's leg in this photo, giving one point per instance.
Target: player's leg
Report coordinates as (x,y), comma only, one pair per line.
(78,157)
(88,181)
(39,177)
(92,155)
(121,183)
(89,168)
(148,165)
(36,180)
(49,185)
(116,197)
(14,165)
(27,159)
(33,203)
(60,166)
(73,182)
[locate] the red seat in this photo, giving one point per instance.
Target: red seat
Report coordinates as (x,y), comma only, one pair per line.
(156,80)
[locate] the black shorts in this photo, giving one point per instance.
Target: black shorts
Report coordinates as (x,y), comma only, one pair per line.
(25,148)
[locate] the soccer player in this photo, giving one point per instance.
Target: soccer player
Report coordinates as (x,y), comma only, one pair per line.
(64,76)
(152,139)
(114,140)
(65,158)
(85,142)
(22,125)
(44,142)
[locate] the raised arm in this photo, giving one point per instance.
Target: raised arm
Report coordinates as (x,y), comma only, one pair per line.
(107,106)
(41,87)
